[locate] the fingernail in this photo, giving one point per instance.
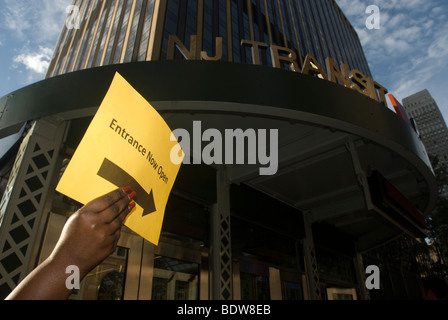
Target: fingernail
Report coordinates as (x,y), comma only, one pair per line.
(131,206)
(132,195)
(127,189)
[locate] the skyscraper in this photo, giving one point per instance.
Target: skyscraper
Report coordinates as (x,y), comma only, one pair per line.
(432,126)
(122,31)
(351,175)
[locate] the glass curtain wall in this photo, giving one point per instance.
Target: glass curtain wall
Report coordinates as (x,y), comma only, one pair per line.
(120,31)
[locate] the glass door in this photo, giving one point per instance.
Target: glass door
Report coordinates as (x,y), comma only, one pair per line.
(138,269)
(254,287)
(175,279)
(106,281)
(341,294)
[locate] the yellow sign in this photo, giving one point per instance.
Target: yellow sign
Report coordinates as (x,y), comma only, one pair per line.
(127,143)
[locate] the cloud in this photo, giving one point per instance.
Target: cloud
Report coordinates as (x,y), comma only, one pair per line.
(52,17)
(31,29)
(39,20)
(410,50)
(37,62)
(439,48)
(401,5)
(14,17)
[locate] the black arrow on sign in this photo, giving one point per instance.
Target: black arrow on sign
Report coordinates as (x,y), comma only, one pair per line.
(114,174)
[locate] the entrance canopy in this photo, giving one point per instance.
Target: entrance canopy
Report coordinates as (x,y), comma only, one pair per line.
(343,157)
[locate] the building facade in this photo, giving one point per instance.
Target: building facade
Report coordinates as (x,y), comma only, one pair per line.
(432,126)
(112,32)
(351,175)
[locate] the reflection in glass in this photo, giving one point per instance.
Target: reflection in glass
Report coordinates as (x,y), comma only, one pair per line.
(341,294)
(292,291)
(175,279)
(106,281)
(254,287)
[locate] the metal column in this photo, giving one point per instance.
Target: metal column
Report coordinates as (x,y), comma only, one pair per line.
(361,175)
(221,243)
(27,200)
(311,269)
(361,277)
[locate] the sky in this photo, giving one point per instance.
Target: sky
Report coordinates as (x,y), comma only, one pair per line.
(408,53)
(29,31)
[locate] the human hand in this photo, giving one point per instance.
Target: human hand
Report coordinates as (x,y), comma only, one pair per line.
(91,234)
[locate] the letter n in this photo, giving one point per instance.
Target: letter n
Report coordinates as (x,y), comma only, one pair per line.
(312,67)
(334,73)
(72,281)
(373,281)
(174,42)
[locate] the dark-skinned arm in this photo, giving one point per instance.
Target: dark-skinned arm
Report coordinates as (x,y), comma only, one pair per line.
(90,235)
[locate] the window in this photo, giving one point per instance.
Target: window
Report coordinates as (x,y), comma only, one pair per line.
(175,279)
(292,291)
(341,294)
(254,287)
